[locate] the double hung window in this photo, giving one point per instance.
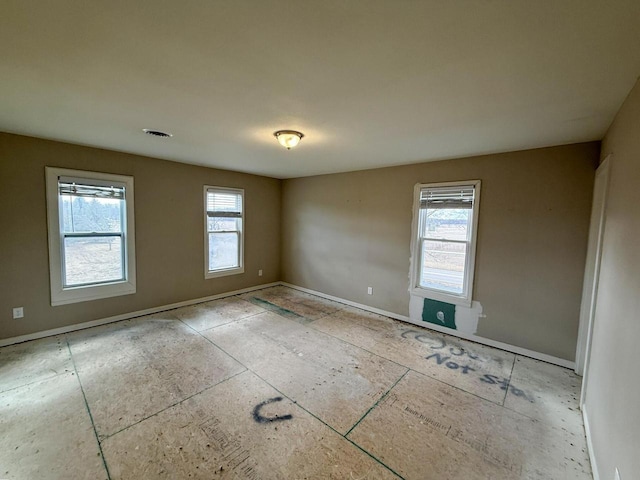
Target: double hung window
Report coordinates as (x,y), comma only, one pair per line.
(445,224)
(224,242)
(91,235)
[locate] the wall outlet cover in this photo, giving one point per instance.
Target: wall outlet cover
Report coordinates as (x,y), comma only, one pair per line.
(369,290)
(18,312)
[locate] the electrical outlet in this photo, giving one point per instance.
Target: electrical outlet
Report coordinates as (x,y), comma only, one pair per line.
(18,312)
(369,290)
(617,477)
(260,273)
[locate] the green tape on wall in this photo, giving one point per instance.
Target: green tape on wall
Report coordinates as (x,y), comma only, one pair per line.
(439,313)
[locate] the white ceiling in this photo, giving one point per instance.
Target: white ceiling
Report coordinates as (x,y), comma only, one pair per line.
(370,83)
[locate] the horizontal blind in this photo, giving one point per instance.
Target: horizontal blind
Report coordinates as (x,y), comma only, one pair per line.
(447,197)
(223,203)
(95,191)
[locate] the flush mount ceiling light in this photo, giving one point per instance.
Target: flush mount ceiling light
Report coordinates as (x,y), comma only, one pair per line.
(288,138)
(156,133)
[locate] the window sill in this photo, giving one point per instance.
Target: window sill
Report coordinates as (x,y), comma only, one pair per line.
(87,294)
(223,273)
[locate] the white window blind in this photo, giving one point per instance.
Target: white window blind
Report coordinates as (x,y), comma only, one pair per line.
(224,204)
(447,197)
(95,191)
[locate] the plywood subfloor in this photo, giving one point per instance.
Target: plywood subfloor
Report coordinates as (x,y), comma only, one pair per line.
(282,384)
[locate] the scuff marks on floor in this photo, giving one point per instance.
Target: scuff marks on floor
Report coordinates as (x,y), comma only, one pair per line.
(283,312)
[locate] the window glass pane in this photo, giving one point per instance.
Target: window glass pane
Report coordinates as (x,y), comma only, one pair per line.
(442,266)
(447,223)
(92,260)
(87,214)
(223,250)
(218,224)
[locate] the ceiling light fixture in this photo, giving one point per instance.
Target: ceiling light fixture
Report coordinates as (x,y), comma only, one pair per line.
(156,133)
(288,138)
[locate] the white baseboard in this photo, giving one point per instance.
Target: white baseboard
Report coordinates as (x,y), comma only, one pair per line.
(484,341)
(587,431)
(347,302)
(125,316)
(473,338)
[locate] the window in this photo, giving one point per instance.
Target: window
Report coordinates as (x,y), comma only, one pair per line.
(91,235)
(224,243)
(444,241)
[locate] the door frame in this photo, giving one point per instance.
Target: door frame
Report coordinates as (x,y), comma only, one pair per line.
(592,271)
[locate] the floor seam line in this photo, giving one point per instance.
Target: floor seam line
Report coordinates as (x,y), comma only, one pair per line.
(506,390)
(310,325)
(456,387)
(223,324)
(408,367)
(357,346)
(346,305)
(86,404)
(173,405)
(364,349)
(295,402)
(31,383)
(374,458)
(276,308)
(329,426)
(377,402)
(220,348)
(310,320)
(315,329)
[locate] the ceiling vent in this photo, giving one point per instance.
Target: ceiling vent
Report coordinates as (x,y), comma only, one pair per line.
(157,133)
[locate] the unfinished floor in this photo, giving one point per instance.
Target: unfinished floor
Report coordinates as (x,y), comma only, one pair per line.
(281,384)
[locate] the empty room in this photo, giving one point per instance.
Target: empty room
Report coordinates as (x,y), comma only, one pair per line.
(306,240)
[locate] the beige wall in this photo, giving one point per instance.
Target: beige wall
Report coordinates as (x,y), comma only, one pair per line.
(340,233)
(169,232)
(613,385)
(344,232)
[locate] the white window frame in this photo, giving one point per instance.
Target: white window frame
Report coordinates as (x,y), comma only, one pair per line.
(61,295)
(415,288)
(223,272)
